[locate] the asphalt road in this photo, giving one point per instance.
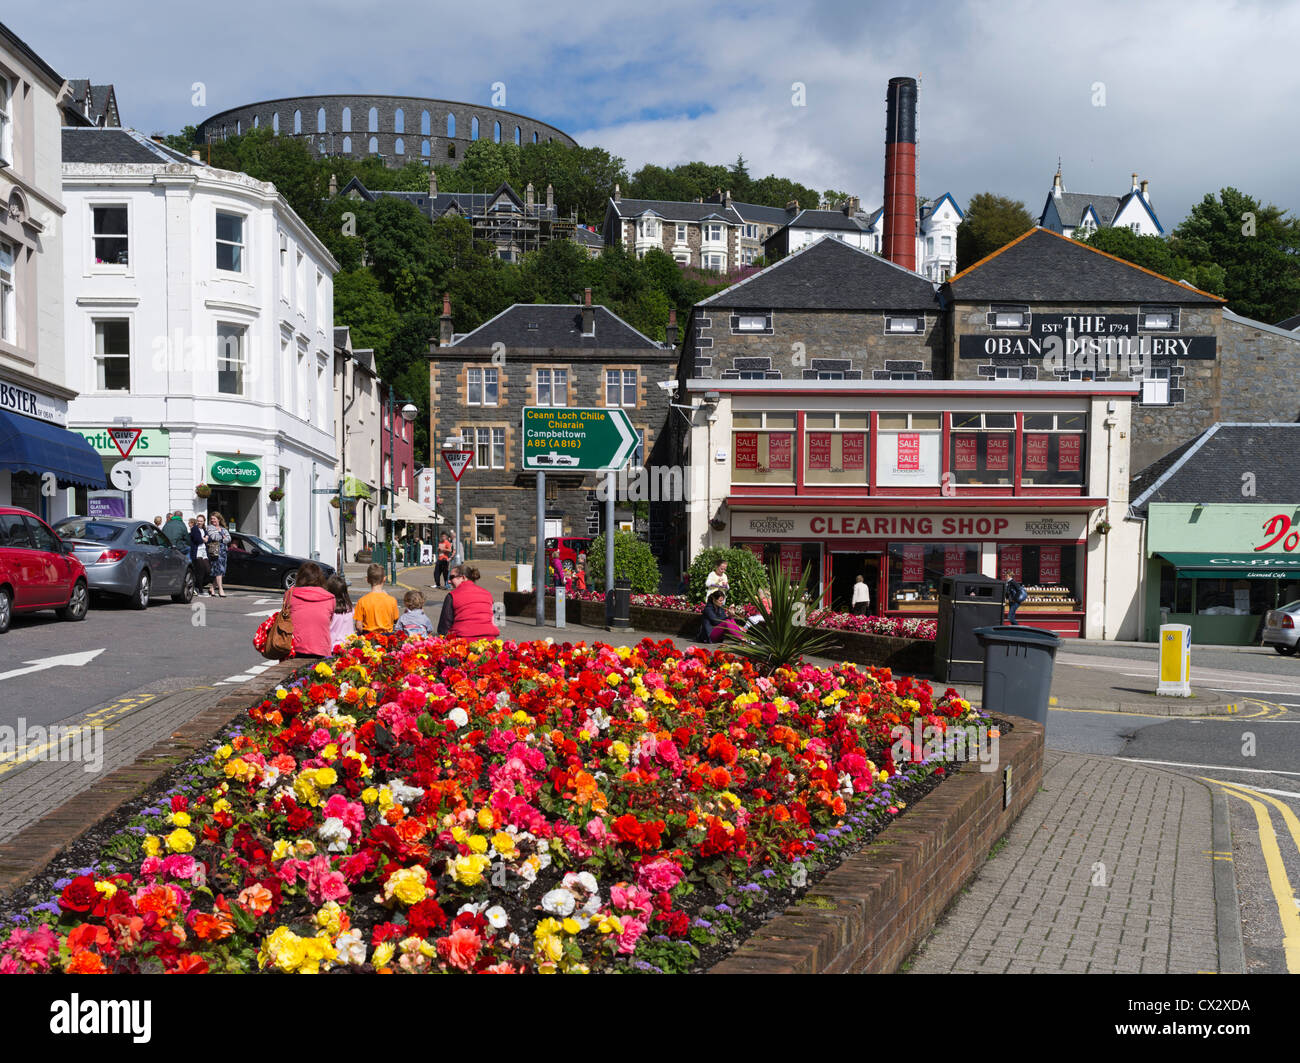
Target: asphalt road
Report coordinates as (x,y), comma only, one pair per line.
(165,647)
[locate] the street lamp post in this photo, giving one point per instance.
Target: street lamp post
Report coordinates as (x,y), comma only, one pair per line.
(409,413)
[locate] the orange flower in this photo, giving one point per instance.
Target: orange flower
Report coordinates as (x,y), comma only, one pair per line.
(88,936)
(161,901)
(86,962)
(256,899)
(780,813)
(243,742)
(721,778)
(128,928)
(394,814)
(585,786)
(190,965)
(213,927)
(411,829)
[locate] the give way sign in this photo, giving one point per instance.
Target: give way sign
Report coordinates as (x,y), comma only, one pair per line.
(457,461)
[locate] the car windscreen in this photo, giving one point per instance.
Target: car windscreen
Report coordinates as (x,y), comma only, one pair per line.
(261,544)
(93,531)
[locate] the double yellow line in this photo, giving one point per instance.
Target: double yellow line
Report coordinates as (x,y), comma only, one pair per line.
(1264,710)
(1283,894)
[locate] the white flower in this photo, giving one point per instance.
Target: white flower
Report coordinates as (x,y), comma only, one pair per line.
(593,904)
(471,908)
(559,902)
(333,832)
(270,776)
(496,917)
(503,699)
(402,793)
(588,881)
(351,948)
(458,716)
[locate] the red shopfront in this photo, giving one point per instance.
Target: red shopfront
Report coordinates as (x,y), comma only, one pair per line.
(902,556)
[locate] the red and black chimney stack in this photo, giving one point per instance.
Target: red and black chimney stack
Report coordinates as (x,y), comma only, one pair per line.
(900,173)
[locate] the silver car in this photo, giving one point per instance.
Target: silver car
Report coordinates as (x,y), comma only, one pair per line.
(130,558)
(1282,628)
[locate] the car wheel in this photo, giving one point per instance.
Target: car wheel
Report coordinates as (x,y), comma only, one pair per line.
(140,596)
(77,602)
(186,594)
(6,610)
(1285,651)
(290,578)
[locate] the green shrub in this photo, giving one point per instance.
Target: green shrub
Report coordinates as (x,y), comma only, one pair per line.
(632,560)
(746,578)
(784,637)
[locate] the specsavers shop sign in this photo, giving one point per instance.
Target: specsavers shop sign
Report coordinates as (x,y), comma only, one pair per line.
(234,472)
(1071,527)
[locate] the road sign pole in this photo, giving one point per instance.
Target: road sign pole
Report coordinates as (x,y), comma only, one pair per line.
(611,480)
(460,554)
(539,575)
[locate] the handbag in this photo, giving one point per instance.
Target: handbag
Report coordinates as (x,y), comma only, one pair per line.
(279,636)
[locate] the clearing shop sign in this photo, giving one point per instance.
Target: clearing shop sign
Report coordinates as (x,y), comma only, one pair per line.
(994,527)
(1114,336)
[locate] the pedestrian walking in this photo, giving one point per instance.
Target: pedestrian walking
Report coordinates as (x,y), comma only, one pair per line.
(218,544)
(198,538)
(861,598)
(445,550)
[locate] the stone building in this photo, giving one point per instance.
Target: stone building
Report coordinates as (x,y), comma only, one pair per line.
(397,129)
(703,235)
(827,312)
(1043,306)
(542,355)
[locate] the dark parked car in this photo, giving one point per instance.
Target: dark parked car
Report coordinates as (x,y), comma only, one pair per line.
(37,569)
(253,562)
(129,558)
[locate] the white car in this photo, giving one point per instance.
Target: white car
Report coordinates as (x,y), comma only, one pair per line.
(1282,628)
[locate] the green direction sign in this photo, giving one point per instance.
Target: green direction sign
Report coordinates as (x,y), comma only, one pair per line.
(243,473)
(565,439)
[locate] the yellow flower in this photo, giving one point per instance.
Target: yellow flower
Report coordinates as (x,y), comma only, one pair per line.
(610,924)
(330,918)
(326,777)
(468,870)
(180,840)
(180,819)
(522,717)
(304,847)
(107,889)
(613,679)
(329,752)
(221,805)
(571,926)
(459,834)
(620,750)
(281,693)
(383,953)
(224,752)
(640,715)
(369,795)
(408,885)
(152,845)
(281,849)
(324,669)
(385,799)
(503,843)
(485,818)
(730,798)
(478,844)
(883,776)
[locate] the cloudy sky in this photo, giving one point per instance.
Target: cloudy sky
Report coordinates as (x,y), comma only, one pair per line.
(1193,95)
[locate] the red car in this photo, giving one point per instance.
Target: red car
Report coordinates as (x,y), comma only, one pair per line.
(37,569)
(569,547)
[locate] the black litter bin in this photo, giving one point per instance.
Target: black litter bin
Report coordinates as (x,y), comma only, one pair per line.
(965,603)
(621,604)
(1018,664)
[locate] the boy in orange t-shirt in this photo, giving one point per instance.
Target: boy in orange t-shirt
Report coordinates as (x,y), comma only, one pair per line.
(378,610)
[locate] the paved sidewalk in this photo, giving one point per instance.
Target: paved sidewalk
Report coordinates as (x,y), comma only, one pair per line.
(1113,868)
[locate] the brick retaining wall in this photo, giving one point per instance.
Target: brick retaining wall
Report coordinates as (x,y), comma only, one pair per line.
(885,899)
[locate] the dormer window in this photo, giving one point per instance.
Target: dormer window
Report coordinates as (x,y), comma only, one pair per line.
(903,324)
(650,227)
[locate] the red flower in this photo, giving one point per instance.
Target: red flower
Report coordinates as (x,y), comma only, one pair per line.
(426,916)
(79,895)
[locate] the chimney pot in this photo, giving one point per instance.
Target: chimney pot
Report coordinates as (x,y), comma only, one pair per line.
(618,193)
(444,323)
(670,333)
(550,198)
(588,314)
(194,154)
(1135,183)
(433,182)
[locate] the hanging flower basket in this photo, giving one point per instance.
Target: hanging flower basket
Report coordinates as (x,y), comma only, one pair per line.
(276,494)
(335,501)
(202,490)
(1103,527)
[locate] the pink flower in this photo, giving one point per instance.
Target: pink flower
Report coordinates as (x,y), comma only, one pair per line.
(631,898)
(460,948)
(352,813)
(659,875)
(596,829)
(151,865)
(324,884)
(320,738)
(633,928)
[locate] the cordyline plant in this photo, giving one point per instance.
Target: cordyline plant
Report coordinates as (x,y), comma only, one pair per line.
(784,636)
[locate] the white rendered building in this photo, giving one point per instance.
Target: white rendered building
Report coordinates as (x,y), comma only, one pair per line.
(199,309)
(1064,212)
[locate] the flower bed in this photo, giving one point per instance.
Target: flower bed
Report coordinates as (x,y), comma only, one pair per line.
(495,807)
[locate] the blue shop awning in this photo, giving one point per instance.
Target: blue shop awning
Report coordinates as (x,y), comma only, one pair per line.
(1234,566)
(28,445)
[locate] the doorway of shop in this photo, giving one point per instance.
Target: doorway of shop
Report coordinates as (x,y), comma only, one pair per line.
(845,570)
(237,505)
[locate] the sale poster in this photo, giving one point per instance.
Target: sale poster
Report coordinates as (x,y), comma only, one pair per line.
(746,450)
(853,450)
(909,451)
(965,453)
(998,453)
(1010,565)
(954,560)
(778,450)
(1036,453)
(792,560)
(1071,451)
(1049,565)
(756,549)
(819,450)
(914,563)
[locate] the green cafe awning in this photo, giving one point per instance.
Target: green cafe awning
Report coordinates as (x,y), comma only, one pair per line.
(354,488)
(1234,566)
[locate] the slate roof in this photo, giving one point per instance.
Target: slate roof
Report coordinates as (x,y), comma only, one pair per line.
(830,275)
(673,211)
(830,220)
(756,212)
(93,144)
(555,325)
(587,238)
(1071,205)
(1291,324)
(1209,468)
(1043,266)
(465,204)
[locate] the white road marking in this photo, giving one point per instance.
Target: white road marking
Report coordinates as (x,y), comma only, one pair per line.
(1265,790)
(1208,767)
(264,612)
(72,660)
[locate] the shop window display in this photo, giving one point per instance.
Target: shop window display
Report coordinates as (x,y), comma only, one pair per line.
(915,570)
